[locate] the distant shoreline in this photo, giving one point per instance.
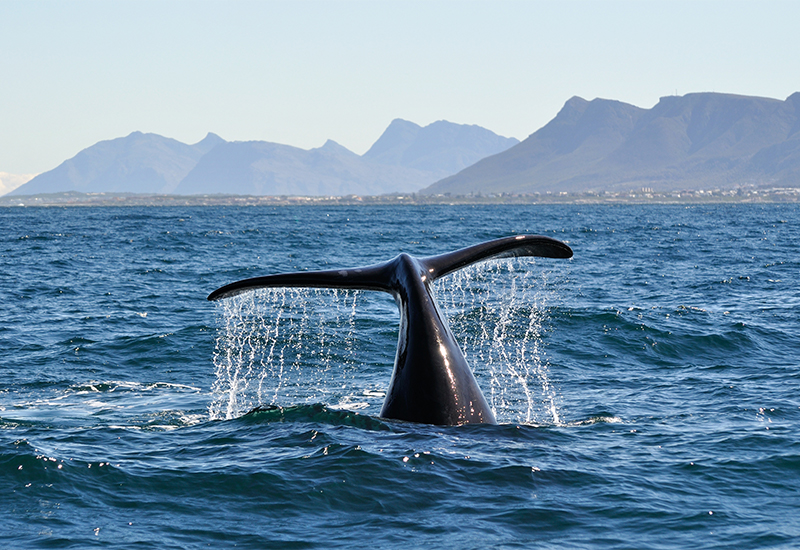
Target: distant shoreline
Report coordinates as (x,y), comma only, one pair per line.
(758,196)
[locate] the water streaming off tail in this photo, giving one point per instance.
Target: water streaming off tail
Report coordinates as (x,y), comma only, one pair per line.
(283,346)
(291,346)
(498,312)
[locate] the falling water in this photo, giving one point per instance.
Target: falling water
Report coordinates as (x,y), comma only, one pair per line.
(292,346)
(282,346)
(498,311)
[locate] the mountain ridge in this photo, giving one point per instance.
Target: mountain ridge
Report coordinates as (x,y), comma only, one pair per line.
(695,141)
(149,163)
(437,148)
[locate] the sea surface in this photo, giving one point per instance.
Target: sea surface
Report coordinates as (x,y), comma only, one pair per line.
(648,389)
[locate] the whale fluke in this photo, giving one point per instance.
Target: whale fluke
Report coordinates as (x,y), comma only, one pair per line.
(431,381)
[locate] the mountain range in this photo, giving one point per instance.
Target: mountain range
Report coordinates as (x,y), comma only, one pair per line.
(695,141)
(404,159)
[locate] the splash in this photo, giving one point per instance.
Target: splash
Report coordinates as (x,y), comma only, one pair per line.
(282,346)
(290,346)
(499,313)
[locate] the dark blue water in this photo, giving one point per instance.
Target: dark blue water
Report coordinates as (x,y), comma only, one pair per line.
(648,389)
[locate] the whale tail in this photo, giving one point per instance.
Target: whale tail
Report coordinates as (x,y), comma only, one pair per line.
(431,381)
(381,276)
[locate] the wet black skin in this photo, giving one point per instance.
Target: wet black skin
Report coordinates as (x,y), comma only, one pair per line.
(431,382)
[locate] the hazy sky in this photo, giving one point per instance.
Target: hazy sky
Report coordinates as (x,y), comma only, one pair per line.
(299,72)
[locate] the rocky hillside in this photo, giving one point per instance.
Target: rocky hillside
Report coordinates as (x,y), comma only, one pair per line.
(696,141)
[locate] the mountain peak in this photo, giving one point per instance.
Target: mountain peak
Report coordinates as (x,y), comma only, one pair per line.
(402,123)
(569,114)
(441,147)
(207,143)
(575,102)
(331,146)
(397,135)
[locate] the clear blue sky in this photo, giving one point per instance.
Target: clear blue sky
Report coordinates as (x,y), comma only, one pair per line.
(299,72)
